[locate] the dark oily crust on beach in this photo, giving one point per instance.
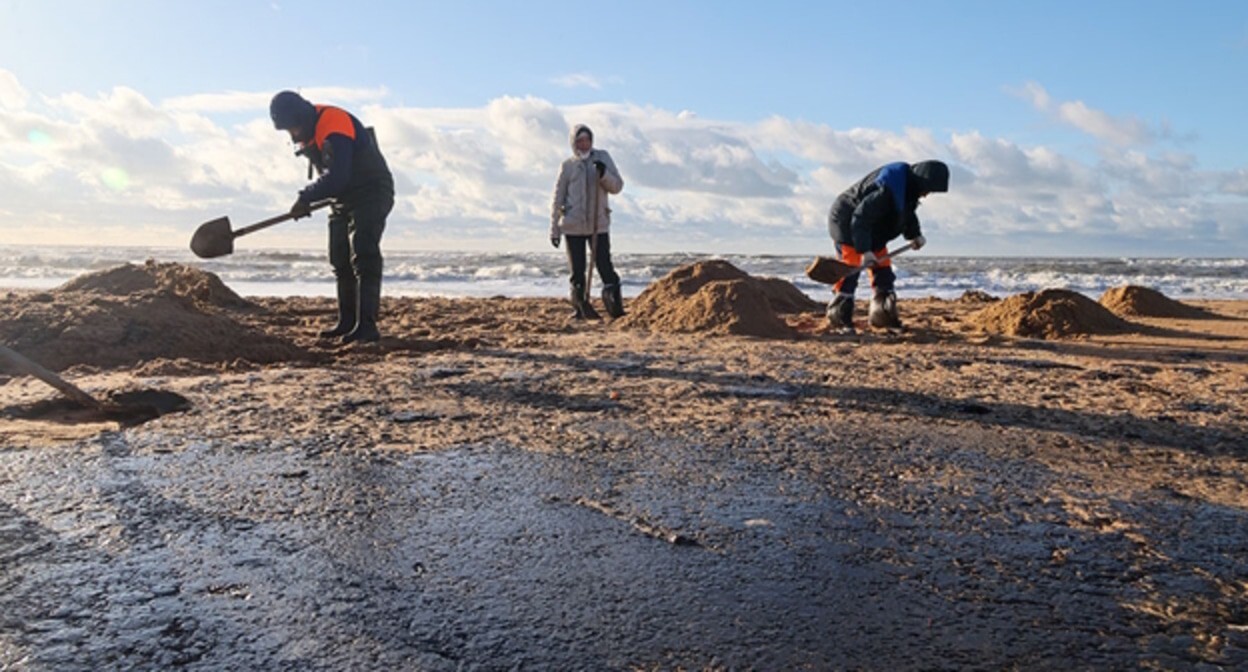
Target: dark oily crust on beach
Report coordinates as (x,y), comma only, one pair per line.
(494,476)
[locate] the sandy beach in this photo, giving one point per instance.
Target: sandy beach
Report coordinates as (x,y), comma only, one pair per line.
(715,481)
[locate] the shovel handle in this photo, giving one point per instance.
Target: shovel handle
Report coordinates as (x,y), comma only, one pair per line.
(893,253)
(903,248)
(20,363)
(251,228)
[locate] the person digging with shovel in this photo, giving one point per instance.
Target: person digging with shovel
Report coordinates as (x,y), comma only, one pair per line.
(875,210)
(353,173)
(581,215)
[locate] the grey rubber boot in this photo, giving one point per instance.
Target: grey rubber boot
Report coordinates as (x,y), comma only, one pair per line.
(841,313)
(883,314)
(613,300)
(347,292)
(366,320)
(584,310)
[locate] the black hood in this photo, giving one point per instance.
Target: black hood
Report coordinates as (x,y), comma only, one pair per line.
(289,110)
(930,176)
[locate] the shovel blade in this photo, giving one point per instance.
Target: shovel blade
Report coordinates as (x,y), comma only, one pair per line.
(828,270)
(213,239)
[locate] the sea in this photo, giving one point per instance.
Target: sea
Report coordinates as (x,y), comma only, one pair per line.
(279,273)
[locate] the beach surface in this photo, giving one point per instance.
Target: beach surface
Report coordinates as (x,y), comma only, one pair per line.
(715,481)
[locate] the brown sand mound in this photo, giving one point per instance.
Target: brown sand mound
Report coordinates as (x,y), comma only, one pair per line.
(718,298)
(1049,314)
(202,287)
(785,298)
(1133,300)
(101,320)
(976,296)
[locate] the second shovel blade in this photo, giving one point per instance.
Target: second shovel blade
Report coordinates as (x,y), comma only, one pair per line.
(828,270)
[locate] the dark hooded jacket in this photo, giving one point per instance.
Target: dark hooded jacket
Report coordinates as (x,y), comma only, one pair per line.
(345,154)
(881,206)
(342,151)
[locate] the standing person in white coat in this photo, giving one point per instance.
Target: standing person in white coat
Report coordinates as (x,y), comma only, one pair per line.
(580,213)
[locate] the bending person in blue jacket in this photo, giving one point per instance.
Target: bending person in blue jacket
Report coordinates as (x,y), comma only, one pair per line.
(875,210)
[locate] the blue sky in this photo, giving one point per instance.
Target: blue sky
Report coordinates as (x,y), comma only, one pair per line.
(1103,128)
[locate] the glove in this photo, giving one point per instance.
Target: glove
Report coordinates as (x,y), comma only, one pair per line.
(602,168)
(554,241)
(868,259)
(918,242)
(300,209)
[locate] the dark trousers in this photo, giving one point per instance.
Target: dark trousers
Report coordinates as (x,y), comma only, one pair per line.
(355,237)
(602,259)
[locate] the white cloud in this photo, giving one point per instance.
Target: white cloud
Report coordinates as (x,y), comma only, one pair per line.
(1235,183)
(248,101)
(103,167)
(13,95)
(577,80)
(1123,131)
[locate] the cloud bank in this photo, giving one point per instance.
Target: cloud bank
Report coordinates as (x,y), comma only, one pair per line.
(118,168)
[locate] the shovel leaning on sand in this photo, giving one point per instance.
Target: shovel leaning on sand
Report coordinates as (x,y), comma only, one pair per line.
(829,270)
(216,238)
(20,363)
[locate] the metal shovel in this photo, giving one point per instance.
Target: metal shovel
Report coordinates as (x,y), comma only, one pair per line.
(128,413)
(216,238)
(829,269)
(20,363)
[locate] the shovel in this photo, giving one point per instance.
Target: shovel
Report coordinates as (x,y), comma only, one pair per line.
(126,413)
(20,363)
(829,270)
(216,238)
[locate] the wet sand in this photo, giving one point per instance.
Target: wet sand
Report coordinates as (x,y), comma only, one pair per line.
(496,486)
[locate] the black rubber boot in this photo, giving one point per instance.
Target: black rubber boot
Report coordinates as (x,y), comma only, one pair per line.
(347,292)
(841,313)
(883,313)
(582,308)
(613,300)
(366,321)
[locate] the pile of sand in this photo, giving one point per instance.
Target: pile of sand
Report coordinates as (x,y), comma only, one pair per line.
(716,297)
(976,296)
(1049,314)
(201,287)
(131,315)
(1133,300)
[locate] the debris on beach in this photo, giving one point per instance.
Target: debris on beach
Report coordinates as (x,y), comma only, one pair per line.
(715,297)
(1136,301)
(131,314)
(1049,314)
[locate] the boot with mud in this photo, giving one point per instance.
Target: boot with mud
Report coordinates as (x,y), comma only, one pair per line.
(883,314)
(581,307)
(841,314)
(365,330)
(347,294)
(613,300)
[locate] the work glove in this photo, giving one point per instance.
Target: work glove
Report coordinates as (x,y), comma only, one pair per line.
(602,168)
(917,242)
(869,259)
(300,209)
(554,241)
